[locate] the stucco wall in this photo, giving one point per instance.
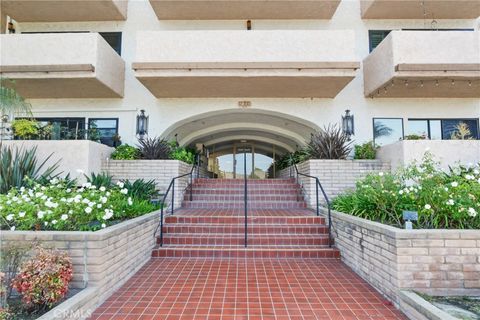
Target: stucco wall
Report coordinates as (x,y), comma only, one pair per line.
(77,157)
(165,112)
(447,152)
(440,262)
(336,176)
(104,259)
(162,171)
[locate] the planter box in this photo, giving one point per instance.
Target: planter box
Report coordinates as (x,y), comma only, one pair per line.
(76,156)
(104,259)
(162,171)
(336,176)
(436,262)
(448,152)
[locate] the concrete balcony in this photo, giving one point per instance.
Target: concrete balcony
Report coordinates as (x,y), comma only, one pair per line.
(243,9)
(66,65)
(414,9)
(64,10)
(286,63)
(424,64)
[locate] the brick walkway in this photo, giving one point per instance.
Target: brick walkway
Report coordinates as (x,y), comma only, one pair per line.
(183,288)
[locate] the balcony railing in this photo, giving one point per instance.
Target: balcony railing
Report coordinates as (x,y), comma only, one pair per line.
(64,10)
(244,9)
(415,9)
(65,65)
(245,63)
(416,64)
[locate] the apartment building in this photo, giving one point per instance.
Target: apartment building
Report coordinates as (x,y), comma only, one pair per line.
(266,74)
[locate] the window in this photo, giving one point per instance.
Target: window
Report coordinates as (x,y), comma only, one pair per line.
(444,129)
(114,39)
(376,36)
(64,128)
(106,129)
(387,130)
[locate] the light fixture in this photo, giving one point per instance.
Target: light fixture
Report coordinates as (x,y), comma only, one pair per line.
(176,139)
(142,125)
(437,83)
(348,124)
(249,24)
(11,27)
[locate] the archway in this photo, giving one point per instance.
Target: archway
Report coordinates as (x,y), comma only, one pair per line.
(223,135)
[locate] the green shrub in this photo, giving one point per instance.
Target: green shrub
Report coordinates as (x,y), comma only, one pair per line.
(443,200)
(291,158)
(365,151)
(186,155)
(103,179)
(141,189)
(19,166)
(125,152)
(57,207)
(414,137)
(25,128)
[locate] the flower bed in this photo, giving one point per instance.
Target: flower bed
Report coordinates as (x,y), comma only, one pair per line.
(58,205)
(443,199)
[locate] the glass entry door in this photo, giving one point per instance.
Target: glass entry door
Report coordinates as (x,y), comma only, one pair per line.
(244,161)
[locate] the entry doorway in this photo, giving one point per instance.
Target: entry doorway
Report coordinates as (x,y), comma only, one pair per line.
(243,158)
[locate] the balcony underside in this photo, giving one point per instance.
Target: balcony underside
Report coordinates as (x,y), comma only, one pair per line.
(58,85)
(413,9)
(243,9)
(255,83)
(65,10)
(424,84)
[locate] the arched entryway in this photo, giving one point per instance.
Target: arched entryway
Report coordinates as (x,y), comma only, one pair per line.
(235,137)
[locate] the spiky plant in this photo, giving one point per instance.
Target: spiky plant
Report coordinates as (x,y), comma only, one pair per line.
(330,142)
(141,189)
(102,179)
(20,166)
(154,148)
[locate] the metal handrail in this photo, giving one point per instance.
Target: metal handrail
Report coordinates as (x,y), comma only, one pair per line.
(171,186)
(318,186)
(245,199)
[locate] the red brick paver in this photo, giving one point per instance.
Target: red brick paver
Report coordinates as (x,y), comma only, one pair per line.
(203,288)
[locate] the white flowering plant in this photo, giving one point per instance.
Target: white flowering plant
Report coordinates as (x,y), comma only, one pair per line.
(443,199)
(58,206)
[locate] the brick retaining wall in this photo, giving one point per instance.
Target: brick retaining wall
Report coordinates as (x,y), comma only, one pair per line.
(440,262)
(103,259)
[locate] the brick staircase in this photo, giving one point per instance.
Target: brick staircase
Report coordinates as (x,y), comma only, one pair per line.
(213,223)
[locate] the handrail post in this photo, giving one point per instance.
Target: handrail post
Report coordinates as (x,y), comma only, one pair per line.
(245,190)
(161,226)
(316,187)
(173,194)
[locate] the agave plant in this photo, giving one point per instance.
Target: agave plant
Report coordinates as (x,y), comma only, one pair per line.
(141,189)
(18,166)
(329,143)
(102,179)
(154,148)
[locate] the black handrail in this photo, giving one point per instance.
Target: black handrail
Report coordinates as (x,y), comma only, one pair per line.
(317,186)
(171,186)
(245,200)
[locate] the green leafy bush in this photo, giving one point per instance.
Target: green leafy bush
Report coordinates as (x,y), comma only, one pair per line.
(414,137)
(103,179)
(125,152)
(365,151)
(186,155)
(25,128)
(141,189)
(57,207)
(449,200)
(18,166)
(289,159)
(43,280)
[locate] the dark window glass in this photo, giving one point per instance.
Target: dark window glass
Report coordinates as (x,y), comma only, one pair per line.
(446,129)
(106,129)
(114,39)
(376,36)
(64,128)
(387,130)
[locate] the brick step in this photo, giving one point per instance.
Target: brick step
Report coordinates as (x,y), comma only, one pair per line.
(238,240)
(242,181)
(240,204)
(272,229)
(249,252)
(310,220)
(240,197)
(241,191)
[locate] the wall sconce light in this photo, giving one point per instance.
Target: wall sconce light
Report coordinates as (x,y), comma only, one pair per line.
(176,140)
(348,124)
(249,24)
(142,125)
(11,27)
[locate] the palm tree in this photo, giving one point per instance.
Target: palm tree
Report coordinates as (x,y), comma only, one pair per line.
(11,104)
(381,130)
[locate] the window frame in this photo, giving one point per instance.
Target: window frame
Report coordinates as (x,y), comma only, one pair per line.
(117,122)
(387,118)
(477,120)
